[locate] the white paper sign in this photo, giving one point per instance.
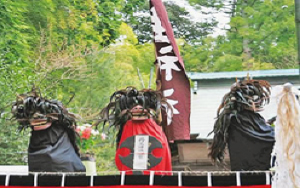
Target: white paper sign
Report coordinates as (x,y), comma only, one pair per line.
(140,157)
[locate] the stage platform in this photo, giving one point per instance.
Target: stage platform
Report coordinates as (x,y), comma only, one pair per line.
(189,179)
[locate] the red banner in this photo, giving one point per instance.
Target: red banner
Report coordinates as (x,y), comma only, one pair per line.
(144,186)
(171,79)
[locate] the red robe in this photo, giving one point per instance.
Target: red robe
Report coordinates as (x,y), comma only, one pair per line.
(156,152)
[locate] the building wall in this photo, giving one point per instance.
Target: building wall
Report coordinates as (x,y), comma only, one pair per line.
(209,95)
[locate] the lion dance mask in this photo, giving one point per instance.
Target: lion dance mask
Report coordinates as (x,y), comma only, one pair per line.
(250,139)
(141,142)
(52,146)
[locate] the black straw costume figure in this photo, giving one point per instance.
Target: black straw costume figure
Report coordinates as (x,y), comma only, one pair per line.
(250,139)
(141,142)
(52,146)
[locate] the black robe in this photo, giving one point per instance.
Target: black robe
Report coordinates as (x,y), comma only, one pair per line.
(250,142)
(51,150)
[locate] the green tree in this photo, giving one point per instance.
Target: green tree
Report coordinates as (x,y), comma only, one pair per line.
(181,20)
(60,46)
(266,31)
(261,36)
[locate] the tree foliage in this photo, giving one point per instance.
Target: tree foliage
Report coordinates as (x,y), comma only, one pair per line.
(60,46)
(183,25)
(261,36)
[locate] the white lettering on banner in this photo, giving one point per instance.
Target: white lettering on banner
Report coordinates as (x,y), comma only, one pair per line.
(165,62)
(157,28)
(140,156)
(160,37)
(169,65)
(168,93)
(166,49)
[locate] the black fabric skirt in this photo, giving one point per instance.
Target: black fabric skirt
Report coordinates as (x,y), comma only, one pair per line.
(250,142)
(50,150)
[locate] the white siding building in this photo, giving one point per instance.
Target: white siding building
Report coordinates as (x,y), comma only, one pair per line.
(211,87)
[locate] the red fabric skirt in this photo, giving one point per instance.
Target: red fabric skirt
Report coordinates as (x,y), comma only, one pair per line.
(149,128)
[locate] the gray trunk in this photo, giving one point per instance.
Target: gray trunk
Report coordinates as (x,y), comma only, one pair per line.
(246,50)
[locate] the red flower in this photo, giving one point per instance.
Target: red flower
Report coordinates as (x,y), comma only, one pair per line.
(86,133)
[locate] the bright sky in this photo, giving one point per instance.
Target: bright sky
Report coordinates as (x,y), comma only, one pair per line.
(221,17)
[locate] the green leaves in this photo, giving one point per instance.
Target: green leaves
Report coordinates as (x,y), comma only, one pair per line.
(228,63)
(58,46)
(261,36)
(184,26)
